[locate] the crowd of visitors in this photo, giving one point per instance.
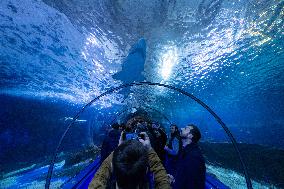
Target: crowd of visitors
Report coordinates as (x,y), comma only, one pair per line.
(139,155)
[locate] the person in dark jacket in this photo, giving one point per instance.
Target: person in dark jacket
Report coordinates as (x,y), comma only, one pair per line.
(191,164)
(158,139)
(110,142)
(128,165)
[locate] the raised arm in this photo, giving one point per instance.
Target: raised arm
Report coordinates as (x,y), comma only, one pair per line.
(175,149)
(156,167)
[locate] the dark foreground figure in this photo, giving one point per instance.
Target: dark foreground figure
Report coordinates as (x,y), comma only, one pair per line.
(191,164)
(110,141)
(128,167)
(135,165)
(158,140)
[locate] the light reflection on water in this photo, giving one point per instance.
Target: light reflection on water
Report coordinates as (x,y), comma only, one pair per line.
(208,36)
(228,53)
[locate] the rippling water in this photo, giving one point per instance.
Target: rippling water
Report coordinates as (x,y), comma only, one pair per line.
(228,53)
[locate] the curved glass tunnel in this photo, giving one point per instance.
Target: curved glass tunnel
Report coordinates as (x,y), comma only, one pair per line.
(56,56)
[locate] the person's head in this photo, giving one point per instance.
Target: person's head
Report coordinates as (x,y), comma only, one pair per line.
(130,165)
(122,127)
(141,127)
(190,133)
(128,128)
(115,126)
(174,129)
(155,125)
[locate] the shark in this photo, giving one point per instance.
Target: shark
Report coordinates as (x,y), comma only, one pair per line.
(133,65)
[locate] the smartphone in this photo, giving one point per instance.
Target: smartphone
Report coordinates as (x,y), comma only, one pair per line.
(131,136)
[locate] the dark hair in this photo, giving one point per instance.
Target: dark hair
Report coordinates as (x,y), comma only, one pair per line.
(115,126)
(130,162)
(176,133)
(122,126)
(195,132)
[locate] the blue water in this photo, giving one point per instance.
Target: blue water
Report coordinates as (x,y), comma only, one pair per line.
(55,56)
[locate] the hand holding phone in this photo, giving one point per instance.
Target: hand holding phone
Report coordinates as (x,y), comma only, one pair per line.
(146,141)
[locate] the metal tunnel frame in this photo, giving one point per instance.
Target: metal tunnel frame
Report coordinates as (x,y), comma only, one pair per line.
(146,107)
(218,119)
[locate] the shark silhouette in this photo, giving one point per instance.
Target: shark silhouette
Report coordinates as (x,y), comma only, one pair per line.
(133,65)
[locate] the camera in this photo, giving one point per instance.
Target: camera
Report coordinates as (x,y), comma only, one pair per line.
(134,132)
(133,136)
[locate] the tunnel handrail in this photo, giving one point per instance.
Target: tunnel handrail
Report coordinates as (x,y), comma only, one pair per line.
(146,107)
(218,119)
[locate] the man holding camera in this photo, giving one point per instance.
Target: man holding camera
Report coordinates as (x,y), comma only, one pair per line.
(129,165)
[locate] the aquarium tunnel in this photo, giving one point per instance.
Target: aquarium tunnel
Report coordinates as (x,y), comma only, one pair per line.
(70,69)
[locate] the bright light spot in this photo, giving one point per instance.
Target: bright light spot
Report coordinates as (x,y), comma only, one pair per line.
(229,34)
(169,60)
(91,40)
(133,110)
(264,38)
(84,55)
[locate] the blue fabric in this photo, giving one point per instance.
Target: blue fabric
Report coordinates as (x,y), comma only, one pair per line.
(171,165)
(172,155)
(191,169)
(175,145)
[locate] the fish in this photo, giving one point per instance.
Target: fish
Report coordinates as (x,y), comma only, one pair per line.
(78,120)
(133,65)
